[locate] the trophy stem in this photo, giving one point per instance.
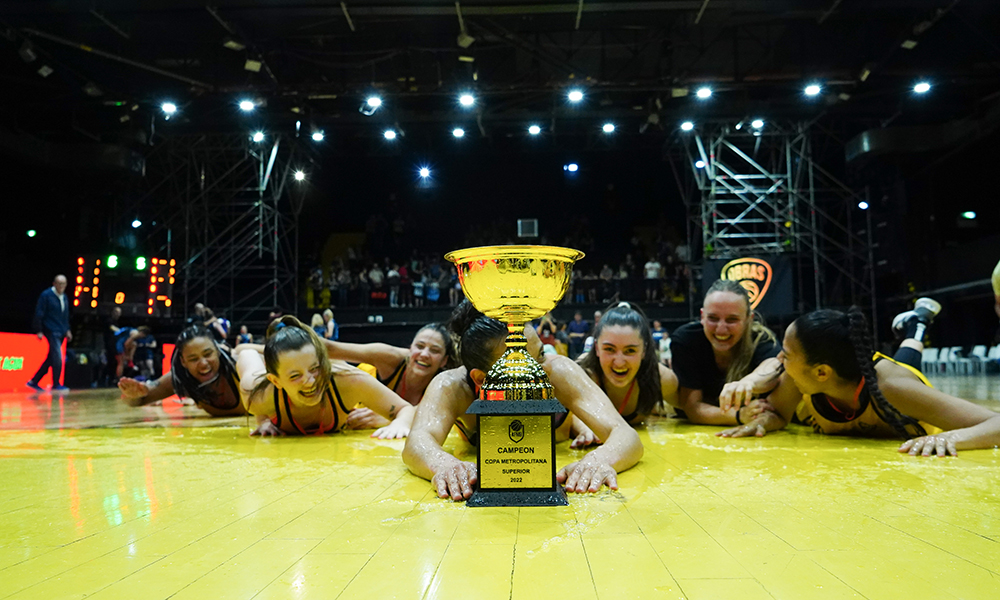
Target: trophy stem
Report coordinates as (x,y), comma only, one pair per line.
(515,336)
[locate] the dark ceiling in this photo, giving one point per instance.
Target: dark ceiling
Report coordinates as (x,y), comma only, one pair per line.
(114,61)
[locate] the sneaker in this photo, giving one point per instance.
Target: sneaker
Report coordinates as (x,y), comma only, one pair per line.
(60,388)
(912,324)
(35,386)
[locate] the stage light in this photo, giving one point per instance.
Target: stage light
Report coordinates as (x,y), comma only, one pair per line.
(922,87)
(608,128)
(458,132)
(300,176)
(571,167)
(863,205)
(699,164)
(703,93)
(969,214)
(168,108)
(140,263)
(112,261)
(466,100)
(813,89)
(757,123)
(374,102)
(32,233)
(575,95)
(258,136)
(389,134)
(247,105)
(687,126)
(534,130)
(317,136)
(136,224)
(424,172)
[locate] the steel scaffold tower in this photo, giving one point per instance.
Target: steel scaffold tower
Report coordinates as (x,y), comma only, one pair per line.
(227,209)
(761,191)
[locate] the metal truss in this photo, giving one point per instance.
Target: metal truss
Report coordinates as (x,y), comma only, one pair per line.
(226,208)
(761,191)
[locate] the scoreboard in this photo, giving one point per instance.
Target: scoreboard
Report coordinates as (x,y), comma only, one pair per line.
(140,286)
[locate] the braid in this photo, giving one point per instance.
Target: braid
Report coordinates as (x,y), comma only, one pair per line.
(861,340)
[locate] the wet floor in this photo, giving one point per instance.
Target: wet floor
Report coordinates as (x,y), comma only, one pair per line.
(102,501)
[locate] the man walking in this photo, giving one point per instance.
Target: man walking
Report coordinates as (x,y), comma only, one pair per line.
(52,322)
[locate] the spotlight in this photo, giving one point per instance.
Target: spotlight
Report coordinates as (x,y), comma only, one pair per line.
(575,95)
(571,167)
(863,205)
(969,214)
(32,233)
(700,164)
(466,100)
(247,105)
(424,172)
(136,224)
(813,89)
(389,134)
(370,105)
(705,92)
(317,136)
(534,130)
(300,176)
(374,102)
(168,108)
(757,123)
(608,128)
(458,132)
(687,126)
(258,136)
(922,87)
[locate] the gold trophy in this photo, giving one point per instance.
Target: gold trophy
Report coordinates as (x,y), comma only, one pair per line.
(516,406)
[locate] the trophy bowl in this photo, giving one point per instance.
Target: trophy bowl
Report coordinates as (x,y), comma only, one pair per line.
(514,284)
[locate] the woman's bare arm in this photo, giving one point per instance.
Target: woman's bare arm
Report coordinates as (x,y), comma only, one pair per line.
(383,357)
(137,393)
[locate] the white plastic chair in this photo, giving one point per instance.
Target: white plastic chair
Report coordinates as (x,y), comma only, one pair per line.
(929,360)
(956,363)
(978,358)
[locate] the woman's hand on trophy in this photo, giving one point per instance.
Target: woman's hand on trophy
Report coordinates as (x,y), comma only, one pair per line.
(456,480)
(587,476)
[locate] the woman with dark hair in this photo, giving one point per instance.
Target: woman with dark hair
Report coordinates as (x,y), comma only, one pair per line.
(295,389)
(200,369)
(405,371)
(836,383)
(624,364)
(451,393)
(724,359)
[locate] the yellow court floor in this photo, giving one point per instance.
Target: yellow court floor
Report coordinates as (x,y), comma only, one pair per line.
(152,503)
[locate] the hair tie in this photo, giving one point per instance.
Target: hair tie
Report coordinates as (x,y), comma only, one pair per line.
(279,326)
(625,304)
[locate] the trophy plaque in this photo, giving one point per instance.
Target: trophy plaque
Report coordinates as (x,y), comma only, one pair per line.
(516,406)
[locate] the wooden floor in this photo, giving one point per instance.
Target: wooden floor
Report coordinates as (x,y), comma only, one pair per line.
(103,501)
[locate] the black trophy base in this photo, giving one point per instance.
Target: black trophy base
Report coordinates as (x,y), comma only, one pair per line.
(556,497)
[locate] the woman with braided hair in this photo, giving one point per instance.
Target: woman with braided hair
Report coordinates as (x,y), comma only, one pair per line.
(834,382)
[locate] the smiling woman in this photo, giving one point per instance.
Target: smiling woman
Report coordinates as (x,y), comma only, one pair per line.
(713,359)
(295,389)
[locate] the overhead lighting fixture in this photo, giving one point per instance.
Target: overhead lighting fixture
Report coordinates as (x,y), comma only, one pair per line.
(300,176)
(258,136)
(575,95)
(863,205)
(458,132)
(704,92)
(757,123)
(687,126)
(374,101)
(27,52)
(317,136)
(389,134)
(534,130)
(922,87)
(247,105)
(608,128)
(571,167)
(466,100)
(32,233)
(45,70)
(813,89)
(424,172)
(253,65)
(370,105)
(136,224)
(969,214)
(168,108)
(699,164)
(232,44)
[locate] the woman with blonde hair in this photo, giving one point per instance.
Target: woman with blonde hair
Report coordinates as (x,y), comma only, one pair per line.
(296,389)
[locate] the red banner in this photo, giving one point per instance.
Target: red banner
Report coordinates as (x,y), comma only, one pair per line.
(20,356)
